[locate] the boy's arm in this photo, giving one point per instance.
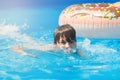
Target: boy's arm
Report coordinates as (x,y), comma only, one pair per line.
(20,50)
(41,48)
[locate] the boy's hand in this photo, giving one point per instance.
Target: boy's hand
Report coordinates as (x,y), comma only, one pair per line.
(17,48)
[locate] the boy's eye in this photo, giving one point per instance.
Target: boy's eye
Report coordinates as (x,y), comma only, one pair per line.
(63,42)
(70,41)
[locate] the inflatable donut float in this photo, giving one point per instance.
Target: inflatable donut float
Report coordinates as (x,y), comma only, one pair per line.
(99,20)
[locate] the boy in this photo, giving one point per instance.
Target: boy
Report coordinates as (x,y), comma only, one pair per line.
(64,39)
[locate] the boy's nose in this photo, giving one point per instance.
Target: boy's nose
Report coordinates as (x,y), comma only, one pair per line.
(67,45)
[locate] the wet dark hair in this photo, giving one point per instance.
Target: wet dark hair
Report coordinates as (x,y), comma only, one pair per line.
(66,31)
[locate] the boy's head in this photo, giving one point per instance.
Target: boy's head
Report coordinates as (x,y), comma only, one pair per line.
(65,37)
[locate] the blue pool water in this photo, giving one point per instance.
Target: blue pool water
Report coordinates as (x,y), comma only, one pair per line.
(34,27)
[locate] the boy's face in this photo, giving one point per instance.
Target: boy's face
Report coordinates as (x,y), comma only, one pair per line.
(65,45)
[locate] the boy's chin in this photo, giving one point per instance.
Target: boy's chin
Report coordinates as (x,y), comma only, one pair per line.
(69,51)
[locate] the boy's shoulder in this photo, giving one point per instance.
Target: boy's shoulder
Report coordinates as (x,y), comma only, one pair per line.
(51,46)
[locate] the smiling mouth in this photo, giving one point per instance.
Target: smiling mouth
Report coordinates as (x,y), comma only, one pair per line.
(67,51)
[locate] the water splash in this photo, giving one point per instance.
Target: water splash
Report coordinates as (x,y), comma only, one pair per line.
(14,32)
(96,48)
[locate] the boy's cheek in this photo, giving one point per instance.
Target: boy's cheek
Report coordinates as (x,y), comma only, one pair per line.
(72,46)
(60,46)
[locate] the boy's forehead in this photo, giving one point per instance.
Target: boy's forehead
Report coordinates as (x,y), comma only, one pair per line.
(62,38)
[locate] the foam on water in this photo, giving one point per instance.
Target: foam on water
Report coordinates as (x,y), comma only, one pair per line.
(13,31)
(97,48)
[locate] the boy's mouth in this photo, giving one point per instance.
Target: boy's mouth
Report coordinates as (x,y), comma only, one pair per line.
(69,50)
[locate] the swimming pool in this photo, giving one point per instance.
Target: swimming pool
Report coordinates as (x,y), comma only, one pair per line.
(35,27)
